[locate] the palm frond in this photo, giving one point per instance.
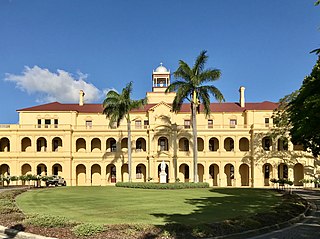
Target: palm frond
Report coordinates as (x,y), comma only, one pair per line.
(200,63)
(175,86)
(209,75)
(183,72)
(204,97)
(215,92)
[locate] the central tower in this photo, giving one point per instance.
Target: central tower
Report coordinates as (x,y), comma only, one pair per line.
(160,82)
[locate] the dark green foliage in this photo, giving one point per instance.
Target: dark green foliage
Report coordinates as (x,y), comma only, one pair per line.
(46,220)
(162,185)
(304,113)
(87,229)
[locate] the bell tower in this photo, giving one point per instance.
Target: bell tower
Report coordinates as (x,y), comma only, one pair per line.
(160,79)
(160,82)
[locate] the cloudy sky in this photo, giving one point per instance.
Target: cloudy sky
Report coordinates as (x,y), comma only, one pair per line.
(49,50)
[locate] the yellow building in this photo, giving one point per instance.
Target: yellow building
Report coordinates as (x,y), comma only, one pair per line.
(76,142)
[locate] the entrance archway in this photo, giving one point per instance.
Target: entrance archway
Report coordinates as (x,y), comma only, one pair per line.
(125,173)
(267,173)
(184,173)
(214,172)
(200,172)
(81,175)
(229,172)
(166,170)
(95,175)
(244,173)
(298,174)
(111,173)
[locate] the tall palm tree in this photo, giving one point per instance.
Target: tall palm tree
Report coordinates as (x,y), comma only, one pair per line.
(190,86)
(117,106)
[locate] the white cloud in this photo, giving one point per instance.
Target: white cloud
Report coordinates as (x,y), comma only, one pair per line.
(49,86)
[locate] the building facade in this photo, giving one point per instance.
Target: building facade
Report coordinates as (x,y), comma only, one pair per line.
(76,142)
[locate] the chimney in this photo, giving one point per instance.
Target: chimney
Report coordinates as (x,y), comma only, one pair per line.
(81,98)
(242,100)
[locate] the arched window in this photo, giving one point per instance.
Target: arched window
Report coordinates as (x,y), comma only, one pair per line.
(184,144)
(266,143)
(163,144)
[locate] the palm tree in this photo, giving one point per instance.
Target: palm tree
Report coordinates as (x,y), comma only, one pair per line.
(190,87)
(117,107)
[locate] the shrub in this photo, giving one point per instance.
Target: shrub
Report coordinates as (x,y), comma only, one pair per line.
(87,229)
(46,220)
(162,185)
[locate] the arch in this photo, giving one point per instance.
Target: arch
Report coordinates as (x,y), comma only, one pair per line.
(298,174)
(183,144)
(166,170)
(111,173)
(111,145)
(266,143)
(283,144)
(163,144)
(42,169)
(26,144)
(244,144)
(213,144)
(96,175)
(56,144)
(4,170)
(57,169)
(95,145)
(283,171)
(229,144)
(141,144)
(26,169)
(267,173)
(214,172)
(141,172)
(229,172)
(41,144)
(244,174)
(81,145)
(124,143)
(124,173)
(200,144)
(81,175)
(200,172)
(4,144)
(184,172)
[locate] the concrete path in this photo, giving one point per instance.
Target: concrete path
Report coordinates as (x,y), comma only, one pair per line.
(309,228)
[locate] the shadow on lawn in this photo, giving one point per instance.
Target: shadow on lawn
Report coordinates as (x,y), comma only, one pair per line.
(228,204)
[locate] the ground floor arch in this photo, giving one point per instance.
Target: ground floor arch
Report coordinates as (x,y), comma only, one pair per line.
(4,170)
(141,172)
(200,172)
(26,169)
(80,175)
(111,173)
(42,169)
(244,174)
(96,175)
(298,174)
(184,172)
(57,169)
(229,174)
(125,173)
(213,174)
(283,171)
(267,173)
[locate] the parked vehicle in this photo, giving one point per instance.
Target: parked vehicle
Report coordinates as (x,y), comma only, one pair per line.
(56,181)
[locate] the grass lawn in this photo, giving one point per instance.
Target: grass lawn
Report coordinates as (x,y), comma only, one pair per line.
(113,205)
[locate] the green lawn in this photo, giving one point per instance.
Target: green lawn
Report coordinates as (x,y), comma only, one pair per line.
(112,205)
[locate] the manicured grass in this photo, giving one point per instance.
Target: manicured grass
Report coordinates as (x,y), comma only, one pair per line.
(113,205)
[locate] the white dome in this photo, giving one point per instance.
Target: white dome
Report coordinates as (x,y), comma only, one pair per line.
(161,69)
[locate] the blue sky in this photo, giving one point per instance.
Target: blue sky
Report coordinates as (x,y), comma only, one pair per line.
(50,49)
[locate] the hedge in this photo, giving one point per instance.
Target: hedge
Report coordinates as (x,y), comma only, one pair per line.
(162,185)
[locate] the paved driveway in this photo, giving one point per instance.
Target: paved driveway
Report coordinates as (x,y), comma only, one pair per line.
(309,228)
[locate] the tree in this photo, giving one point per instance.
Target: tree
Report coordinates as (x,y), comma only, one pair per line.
(117,106)
(190,86)
(304,113)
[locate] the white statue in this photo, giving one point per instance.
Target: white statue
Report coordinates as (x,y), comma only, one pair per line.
(163,166)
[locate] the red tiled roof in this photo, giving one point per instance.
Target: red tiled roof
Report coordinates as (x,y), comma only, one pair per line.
(97,108)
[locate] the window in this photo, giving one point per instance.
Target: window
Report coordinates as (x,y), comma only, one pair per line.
(47,122)
(185,145)
(187,124)
(56,123)
(266,122)
(266,171)
(138,124)
(146,123)
(163,144)
(210,123)
(266,143)
(89,124)
(39,123)
(55,146)
(233,123)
